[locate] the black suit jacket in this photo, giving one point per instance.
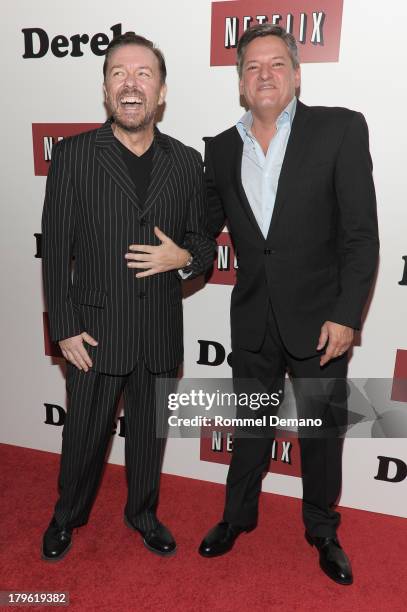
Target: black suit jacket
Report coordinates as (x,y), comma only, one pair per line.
(92,213)
(321,252)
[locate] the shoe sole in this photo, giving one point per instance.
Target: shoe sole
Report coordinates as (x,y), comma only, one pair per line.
(56,559)
(150,548)
(326,572)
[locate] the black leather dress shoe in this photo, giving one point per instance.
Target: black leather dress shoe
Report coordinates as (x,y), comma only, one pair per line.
(56,542)
(221,539)
(332,558)
(159,539)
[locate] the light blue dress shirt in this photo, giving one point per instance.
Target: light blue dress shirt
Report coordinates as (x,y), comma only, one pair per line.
(260,173)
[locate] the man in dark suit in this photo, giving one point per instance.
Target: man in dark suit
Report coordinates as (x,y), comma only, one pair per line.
(295,184)
(128,204)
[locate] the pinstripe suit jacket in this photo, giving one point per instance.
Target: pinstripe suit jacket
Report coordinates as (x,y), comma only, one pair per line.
(92,214)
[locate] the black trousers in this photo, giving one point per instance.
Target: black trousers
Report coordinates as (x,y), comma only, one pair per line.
(321,455)
(92,405)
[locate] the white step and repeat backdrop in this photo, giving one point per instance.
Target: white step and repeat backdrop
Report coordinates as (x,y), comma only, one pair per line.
(52,55)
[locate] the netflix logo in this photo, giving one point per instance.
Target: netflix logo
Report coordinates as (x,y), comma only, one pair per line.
(315,25)
(225,266)
(399,390)
(217,445)
(45,135)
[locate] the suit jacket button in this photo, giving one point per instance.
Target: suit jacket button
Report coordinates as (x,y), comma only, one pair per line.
(143,222)
(142,295)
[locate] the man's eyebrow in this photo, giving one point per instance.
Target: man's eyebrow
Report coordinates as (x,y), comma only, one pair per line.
(115,66)
(273,58)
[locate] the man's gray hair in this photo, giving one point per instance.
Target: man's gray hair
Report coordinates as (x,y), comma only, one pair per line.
(266,29)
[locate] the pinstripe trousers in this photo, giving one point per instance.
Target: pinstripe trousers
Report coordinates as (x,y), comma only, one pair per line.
(92,406)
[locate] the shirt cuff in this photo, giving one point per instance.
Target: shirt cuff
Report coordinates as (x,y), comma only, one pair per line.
(184,275)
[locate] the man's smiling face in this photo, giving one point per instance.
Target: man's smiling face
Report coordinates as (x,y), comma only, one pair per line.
(133,87)
(269,79)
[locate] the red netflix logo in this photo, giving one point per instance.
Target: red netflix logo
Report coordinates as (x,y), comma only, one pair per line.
(224,269)
(45,135)
(315,25)
(399,390)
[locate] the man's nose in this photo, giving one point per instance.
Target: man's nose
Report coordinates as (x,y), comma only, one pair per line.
(264,72)
(130,80)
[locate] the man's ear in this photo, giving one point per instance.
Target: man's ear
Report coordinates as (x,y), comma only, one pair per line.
(163,93)
(241,87)
(297,77)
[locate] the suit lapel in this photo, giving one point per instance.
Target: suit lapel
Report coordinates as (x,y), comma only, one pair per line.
(238,178)
(162,166)
(110,158)
(299,138)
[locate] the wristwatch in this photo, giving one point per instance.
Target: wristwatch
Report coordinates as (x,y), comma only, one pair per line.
(188,264)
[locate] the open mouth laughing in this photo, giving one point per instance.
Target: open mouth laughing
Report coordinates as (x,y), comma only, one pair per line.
(131,101)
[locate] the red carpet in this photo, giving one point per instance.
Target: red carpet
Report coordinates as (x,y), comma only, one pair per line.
(109,569)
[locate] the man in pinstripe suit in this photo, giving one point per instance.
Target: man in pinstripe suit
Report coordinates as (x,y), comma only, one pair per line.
(128,204)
